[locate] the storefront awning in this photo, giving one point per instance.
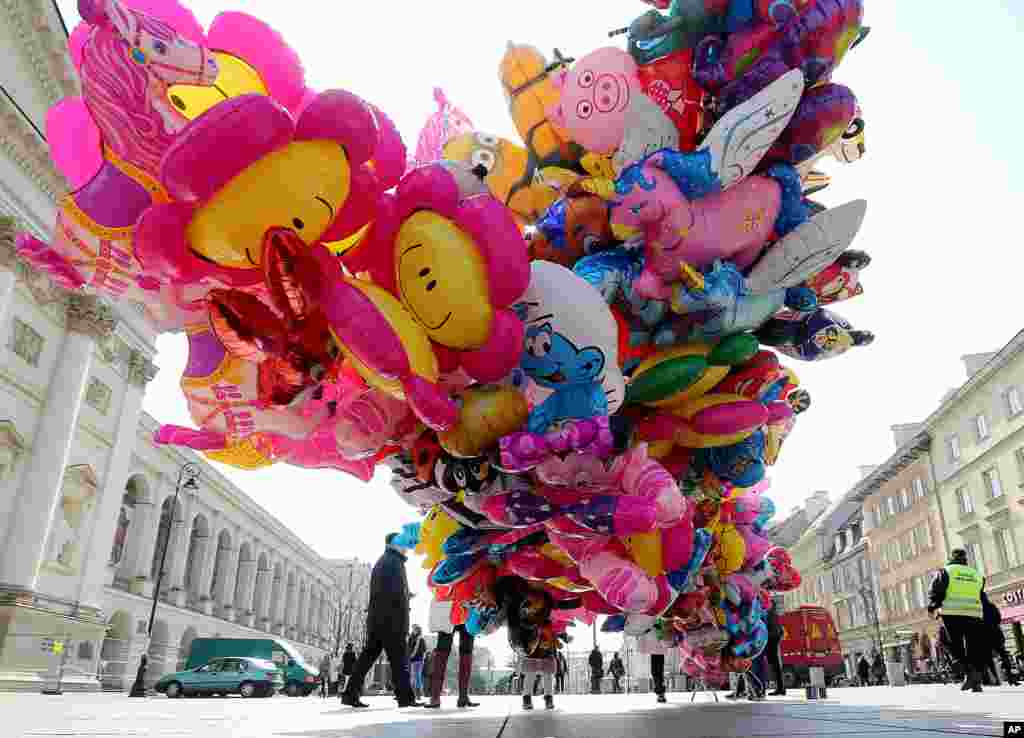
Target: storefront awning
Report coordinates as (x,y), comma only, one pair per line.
(1012,614)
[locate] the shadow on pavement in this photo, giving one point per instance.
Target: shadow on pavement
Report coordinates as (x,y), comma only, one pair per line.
(782,719)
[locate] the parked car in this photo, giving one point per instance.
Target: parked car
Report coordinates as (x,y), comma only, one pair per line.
(300,678)
(245,676)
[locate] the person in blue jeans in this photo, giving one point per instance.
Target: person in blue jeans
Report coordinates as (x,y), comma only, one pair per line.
(417,653)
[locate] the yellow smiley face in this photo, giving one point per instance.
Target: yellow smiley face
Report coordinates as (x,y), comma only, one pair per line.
(234,78)
(301,186)
(442,280)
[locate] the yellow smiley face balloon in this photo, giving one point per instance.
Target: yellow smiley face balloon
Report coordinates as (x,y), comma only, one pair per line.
(234,77)
(300,186)
(442,280)
(433,533)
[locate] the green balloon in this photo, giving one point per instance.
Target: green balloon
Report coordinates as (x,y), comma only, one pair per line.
(665,379)
(734,350)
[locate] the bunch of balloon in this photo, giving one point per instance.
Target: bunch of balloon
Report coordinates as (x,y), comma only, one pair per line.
(574,354)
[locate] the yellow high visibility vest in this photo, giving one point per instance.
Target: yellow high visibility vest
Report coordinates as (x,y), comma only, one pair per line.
(963,596)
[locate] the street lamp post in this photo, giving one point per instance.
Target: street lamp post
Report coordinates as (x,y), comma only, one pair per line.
(869,604)
(187,476)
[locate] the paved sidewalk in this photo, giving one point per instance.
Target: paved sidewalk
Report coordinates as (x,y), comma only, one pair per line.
(876,712)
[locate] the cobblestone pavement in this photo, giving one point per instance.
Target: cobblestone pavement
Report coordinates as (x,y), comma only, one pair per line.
(876,712)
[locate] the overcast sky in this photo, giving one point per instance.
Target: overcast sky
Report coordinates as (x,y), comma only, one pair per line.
(941,96)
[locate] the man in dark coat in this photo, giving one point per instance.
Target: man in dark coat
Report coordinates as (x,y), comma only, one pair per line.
(387,625)
(561,669)
(996,642)
(617,670)
(956,596)
(773,649)
(864,671)
(596,662)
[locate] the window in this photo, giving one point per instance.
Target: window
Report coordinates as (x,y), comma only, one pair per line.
(905,499)
(837,581)
(964,501)
(953,444)
(1006,548)
(862,569)
(981,426)
(992,484)
(890,505)
(887,600)
(919,490)
(1013,401)
(895,553)
(870,521)
(25,342)
(880,511)
(909,546)
(883,558)
(821,585)
(924,536)
(921,592)
(98,395)
(975,557)
(906,596)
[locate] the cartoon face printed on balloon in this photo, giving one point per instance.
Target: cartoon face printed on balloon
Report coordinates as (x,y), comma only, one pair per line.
(553,360)
(571,343)
(595,99)
(507,164)
(229,189)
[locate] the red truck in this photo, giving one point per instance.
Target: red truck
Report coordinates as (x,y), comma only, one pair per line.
(809,639)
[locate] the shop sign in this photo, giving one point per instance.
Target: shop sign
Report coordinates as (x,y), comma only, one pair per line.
(1014,597)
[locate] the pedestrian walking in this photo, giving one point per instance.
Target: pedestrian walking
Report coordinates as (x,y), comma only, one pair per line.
(417,653)
(773,649)
(442,625)
(596,663)
(348,663)
(325,675)
(617,670)
(335,673)
(864,671)
(996,642)
(652,644)
(561,669)
(387,627)
(878,669)
(956,597)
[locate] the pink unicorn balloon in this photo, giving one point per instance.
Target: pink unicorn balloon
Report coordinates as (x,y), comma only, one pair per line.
(440,128)
(732,225)
(128,62)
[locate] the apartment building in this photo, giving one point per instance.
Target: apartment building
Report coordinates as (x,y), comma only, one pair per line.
(903,524)
(978,461)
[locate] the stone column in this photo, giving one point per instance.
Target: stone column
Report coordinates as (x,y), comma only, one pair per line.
(89,320)
(208,560)
(291,595)
(225,598)
(142,546)
(244,612)
(177,555)
(279,606)
(98,572)
(8,265)
(261,599)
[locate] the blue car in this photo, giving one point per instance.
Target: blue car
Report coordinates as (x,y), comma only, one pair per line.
(248,677)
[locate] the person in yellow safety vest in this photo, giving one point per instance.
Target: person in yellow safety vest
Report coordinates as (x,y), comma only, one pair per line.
(956,597)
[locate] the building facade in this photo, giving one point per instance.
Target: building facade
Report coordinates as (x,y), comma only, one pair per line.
(87,500)
(852,582)
(978,459)
(907,543)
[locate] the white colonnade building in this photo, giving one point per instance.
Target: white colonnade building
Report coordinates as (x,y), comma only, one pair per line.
(86,498)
